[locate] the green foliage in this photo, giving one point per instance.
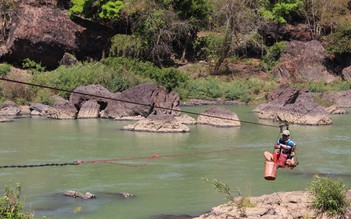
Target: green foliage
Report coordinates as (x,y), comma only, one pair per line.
(220,187)
(111,9)
(328,195)
(341,85)
(32,65)
(106,9)
(340,41)
(167,77)
(272,56)
(45,97)
(70,77)
(279,11)
(193,10)
(77,7)
(208,45)
(237,91)
(10,205)
(4,69)
(209,87)
(126,46)
(170,78)
(316,87)
(115,74)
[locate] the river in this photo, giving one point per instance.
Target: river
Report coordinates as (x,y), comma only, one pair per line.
(169,185)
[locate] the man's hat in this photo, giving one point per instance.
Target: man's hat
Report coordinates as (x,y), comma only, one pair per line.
(286,132)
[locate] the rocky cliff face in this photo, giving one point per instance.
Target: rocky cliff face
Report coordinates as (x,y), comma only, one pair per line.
(304,61)
(42,32)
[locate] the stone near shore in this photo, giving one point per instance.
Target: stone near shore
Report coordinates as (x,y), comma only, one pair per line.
(5,120)
(9,108)
(219,117)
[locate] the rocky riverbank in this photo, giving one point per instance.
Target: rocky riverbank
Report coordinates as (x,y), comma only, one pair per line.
(279,205)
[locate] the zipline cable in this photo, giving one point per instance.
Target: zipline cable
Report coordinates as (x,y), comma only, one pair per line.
(131,102)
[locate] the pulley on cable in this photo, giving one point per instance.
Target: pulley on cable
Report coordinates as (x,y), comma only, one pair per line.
(283,156)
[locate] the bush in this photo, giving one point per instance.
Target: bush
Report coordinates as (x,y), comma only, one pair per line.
(4,69)
(126,46)
(32,65)
(207,88)
(339,42)
(328,195)
(10,205)
(272,56)
(208,45)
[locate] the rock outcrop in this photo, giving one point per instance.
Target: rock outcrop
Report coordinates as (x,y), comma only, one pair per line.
(138,102)
(9,108)
(158,123)
(218,116)
(273,33)
(144,100)
(340,98)
(90,100)
(293,105)
(303,61)
(277,205)
(43,33)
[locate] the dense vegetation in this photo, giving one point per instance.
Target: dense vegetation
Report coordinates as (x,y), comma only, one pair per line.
(154,37)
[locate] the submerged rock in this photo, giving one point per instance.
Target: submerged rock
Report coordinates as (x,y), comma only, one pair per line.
(75,194)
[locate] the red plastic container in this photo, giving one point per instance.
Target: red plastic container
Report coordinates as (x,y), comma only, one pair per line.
(282,159)
(270,170)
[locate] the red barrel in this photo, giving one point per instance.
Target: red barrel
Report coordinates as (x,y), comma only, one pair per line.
(270,170)
(282,159)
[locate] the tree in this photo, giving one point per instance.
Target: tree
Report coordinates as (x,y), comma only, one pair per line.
(238,19)
(161,29)
(279,10)
(97,9)
(6,10)
(324,16)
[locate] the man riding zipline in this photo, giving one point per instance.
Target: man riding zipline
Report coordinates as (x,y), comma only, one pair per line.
(283,154)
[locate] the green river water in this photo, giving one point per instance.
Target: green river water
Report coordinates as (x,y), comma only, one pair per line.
(169,185)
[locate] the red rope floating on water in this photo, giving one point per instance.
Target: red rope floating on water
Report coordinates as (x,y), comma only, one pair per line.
(148,159)
(117,161)
(114,161)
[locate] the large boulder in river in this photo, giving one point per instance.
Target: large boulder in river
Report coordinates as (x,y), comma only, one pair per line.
(303,61)
(218,116)
(144,100)
(158,123)
(61,109)
(293,105)
(90,100)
